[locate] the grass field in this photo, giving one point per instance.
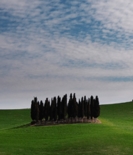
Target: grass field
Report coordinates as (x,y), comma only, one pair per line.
(114,136)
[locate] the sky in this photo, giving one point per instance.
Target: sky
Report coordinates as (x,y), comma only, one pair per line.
(57,47)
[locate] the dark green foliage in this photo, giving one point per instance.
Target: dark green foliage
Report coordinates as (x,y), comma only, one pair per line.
(64,107)
(92,107)
(88,109)
(79,109)
(41,111)
(70,107)
(53,110)
(82,107)
(74,107)
(32,110)
(35,110)
(96,107)
(58,109)
(46,109)
(85,106)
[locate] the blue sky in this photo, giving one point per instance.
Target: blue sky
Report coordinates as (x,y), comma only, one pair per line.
(50,48)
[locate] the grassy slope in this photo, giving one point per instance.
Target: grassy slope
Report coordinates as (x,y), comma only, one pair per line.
(113,136)
(13,118)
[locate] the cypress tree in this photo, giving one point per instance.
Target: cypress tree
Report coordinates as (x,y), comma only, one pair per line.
(54,109)
(91,107)
(74,107)
(47,109)
(32,110)
(79,109)
(88,109)
(41,111)
(96,107)
(59,108)
(64,107)
(35,110)
(85,106)
(70,114)
(82,107)
(51,110)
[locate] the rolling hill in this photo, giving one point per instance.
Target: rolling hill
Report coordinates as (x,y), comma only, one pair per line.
(113,136)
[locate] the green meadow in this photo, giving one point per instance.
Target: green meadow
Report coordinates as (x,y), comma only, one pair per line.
(113,136)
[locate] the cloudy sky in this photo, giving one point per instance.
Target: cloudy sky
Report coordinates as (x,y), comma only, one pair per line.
(54,47)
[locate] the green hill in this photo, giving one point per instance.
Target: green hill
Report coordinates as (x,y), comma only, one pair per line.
(113,136)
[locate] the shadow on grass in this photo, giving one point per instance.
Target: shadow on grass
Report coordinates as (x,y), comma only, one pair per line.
(22,126)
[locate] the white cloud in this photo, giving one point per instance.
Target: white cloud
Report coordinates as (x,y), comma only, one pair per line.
(115,15)
(42,56)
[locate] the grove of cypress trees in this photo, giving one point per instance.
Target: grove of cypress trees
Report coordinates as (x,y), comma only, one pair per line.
(59,109)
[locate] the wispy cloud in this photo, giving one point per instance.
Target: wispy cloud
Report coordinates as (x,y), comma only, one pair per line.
(55,47)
